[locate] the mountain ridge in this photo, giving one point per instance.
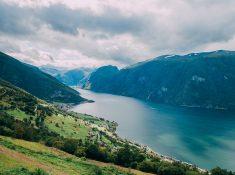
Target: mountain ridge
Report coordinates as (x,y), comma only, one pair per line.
(33,80)
(69,77)
(198,80)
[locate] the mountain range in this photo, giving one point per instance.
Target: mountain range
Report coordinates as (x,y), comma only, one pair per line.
(68,77)
(204,80)
(36,82)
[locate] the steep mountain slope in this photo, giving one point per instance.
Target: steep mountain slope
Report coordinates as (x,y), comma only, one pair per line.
(34,81)
(71,77)
(198,79)
(52,70)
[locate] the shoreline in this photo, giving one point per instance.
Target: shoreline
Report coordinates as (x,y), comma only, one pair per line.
(141,146)
(111,132)
(208,107)
(162,157)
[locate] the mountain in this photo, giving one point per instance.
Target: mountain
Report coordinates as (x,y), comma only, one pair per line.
(68,77)
(36,82)
(52,70)
(73,77)
(101,78)
(198,80)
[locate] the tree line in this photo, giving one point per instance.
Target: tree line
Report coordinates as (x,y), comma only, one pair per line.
(126,155)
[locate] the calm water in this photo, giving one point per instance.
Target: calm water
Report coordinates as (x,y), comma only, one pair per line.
(202,137)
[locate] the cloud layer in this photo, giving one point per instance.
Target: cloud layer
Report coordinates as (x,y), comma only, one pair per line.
(89,33)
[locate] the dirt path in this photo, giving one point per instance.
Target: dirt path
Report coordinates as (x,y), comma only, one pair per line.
(29,161)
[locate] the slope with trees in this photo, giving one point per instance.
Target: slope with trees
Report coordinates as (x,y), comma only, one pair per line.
(204,80)
(36,82)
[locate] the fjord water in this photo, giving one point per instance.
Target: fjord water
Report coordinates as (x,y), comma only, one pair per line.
(202,137)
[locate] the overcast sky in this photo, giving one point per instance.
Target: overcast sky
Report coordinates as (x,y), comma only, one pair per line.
(87,33)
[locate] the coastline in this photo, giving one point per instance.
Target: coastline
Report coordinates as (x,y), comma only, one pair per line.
(111,132)
(147,149)
(68,106)
(162,157)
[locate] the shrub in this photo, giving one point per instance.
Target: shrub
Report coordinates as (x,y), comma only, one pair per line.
(70,145)
(219,171)
(80,151)
(39,171)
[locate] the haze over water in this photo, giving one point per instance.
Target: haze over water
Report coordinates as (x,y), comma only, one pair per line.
(202,137)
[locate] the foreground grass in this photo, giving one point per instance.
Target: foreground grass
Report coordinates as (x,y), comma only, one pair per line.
(15,154)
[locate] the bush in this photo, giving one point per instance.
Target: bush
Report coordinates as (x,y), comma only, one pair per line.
(80,152)
(124,156)
(24,171)
(98,171)
(171,170)
(148,166)
(39,171)
(70,145)
(219,171)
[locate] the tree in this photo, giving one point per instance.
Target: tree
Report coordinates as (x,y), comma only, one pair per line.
(148,166)
(219,171)
(70,145)
(171,170)
(124,156)
(19,130)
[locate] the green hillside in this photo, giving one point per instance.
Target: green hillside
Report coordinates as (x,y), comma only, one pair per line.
(23,157)
(36,82)
(40,115)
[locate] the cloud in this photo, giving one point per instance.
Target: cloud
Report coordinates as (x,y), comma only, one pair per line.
(13,21)
(94,33)
(111,21)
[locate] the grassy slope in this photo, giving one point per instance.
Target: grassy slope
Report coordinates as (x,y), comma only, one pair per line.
(77,126)
(67,126)
(19,153)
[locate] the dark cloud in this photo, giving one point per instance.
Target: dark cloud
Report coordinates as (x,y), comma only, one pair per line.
(16,20)
(119,33)
(64,19)
(24,20)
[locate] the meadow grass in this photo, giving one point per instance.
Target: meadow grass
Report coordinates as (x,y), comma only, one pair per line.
(18,114)
(67,126)
(18,153)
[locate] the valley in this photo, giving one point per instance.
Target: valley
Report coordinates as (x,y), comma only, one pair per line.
(107,87)
(109,128)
